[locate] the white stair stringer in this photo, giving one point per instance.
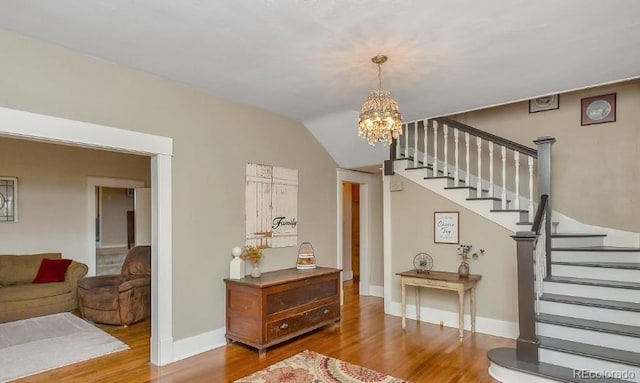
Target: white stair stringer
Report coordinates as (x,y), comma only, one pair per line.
(458,196)
(580,362)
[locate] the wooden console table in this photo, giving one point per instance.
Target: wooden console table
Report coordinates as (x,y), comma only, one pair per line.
(444,281)
(280,305)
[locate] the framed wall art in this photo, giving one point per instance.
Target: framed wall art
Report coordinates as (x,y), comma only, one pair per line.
(446,227)
(544,103)
(598,109)
(8,199)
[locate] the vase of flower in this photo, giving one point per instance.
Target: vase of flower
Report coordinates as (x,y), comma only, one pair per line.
(254,255)
(464,251)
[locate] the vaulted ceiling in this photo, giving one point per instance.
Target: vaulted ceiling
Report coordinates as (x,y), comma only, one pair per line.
(309,60)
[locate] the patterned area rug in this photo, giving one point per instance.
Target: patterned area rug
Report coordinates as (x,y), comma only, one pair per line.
(311,367)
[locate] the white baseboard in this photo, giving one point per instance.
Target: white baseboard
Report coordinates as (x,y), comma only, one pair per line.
(376,291)
(484,325)
(197,344)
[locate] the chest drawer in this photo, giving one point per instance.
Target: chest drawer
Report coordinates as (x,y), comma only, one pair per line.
(303,293)
(283,327)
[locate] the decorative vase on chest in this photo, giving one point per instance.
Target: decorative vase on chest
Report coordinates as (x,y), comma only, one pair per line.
(255,272)
(463,269)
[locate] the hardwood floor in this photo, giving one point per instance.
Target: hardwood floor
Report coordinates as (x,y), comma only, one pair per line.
(365,336)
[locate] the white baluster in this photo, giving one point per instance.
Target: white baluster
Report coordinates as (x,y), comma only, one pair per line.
(424,155)
(456,170)
(479,182)
(445,132)
(435,148)
(406,142)
(530,163)
(503,198)
(516,157)
(490,169)
(467,178)
(415,144)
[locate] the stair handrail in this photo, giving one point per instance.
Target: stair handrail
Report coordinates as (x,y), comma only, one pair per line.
(489,136)
(540,213)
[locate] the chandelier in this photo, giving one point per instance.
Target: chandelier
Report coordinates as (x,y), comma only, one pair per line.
(380,120)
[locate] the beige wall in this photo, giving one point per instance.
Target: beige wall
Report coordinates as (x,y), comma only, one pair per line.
(113,219)
(412,232)
(213,141)
(596,176)
(52,194)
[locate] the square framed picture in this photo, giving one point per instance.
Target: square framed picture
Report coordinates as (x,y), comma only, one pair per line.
(446,227)
(542,104)
(598,109)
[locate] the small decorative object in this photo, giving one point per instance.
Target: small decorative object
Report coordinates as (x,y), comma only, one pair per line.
(306,259)
(445,227)
(464,251)
(544,103)
(8,199)
(423,263)
(254,255)
(598,110)
(236,266)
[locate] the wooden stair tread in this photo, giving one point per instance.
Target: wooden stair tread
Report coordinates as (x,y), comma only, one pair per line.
(577,235)
(607,265)
(506,357)
(597,248)
(486,199)
(592,302)
(603,353)
(508,211)
(594,282)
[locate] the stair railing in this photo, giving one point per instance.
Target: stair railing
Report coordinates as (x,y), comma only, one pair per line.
(447,147)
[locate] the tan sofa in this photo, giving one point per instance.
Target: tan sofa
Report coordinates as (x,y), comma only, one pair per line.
(20,298)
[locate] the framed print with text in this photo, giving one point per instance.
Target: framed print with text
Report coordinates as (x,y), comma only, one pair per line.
(446,227)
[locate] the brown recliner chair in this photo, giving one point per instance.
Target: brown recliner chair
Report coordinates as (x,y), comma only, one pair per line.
(119,299)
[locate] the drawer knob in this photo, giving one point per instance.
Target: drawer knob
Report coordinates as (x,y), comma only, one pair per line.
(284,326)
(326,311)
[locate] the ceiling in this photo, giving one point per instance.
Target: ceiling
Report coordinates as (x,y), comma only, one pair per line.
(309,60)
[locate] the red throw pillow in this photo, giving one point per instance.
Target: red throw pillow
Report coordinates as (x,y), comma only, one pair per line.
(52,270)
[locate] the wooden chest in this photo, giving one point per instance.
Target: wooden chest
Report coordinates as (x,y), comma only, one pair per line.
(280,305)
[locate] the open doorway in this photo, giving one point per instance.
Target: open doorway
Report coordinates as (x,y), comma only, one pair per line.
(123,221)
(351,233)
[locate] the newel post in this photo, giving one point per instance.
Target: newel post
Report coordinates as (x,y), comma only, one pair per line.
(527,343)
(388,164)
(544,187)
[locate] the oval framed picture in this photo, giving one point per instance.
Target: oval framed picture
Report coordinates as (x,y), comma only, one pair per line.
(544,103)
(598,109)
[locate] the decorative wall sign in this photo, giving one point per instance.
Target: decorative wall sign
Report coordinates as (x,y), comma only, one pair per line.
(8,199)
(271,205)
(544,103)
(598,109)
(445,227)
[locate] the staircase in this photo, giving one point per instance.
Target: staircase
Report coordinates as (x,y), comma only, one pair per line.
(585,312)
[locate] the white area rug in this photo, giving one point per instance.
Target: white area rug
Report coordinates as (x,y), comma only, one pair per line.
(39,344)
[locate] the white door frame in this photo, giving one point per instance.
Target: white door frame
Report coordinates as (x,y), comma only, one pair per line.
(38,127)
(92,183)
(364,179)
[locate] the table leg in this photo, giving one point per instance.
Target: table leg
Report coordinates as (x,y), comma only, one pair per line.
(473,309)
(461,313)
(417,303)
(404,302)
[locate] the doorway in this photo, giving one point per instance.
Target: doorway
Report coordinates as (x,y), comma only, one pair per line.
(351,233)
(27,125)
